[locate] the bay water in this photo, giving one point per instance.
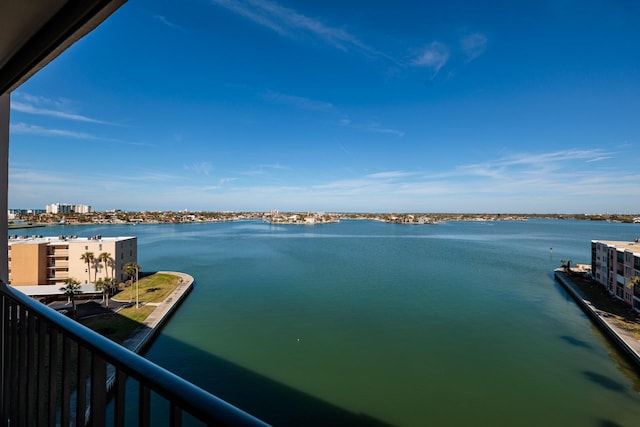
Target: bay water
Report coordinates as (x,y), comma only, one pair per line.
(369,323)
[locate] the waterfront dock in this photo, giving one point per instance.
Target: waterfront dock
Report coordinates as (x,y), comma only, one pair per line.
(603,319)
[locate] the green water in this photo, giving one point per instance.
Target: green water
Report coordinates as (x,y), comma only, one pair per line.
(365,323)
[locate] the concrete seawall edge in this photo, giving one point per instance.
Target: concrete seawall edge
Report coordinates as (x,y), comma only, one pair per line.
(628,345)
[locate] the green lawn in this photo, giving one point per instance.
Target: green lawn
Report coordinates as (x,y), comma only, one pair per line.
(153,288)
(118,327)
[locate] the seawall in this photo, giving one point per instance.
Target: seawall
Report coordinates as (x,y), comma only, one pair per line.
(163,311)
(143,335)
(629,345)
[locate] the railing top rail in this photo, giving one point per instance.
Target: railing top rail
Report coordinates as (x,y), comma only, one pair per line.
(190,397)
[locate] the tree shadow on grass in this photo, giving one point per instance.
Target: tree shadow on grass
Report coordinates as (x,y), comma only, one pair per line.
(608,423)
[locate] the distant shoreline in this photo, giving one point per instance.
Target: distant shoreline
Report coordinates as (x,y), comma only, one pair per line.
(300,218)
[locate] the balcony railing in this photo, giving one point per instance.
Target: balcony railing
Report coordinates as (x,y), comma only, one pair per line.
(55,372)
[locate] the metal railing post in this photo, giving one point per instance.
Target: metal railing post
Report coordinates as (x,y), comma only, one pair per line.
(50,387)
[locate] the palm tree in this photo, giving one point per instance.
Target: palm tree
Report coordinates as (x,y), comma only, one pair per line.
(131,269)
(566,264)
(634,284)
(70,290)
(105,257)
(106,286)
(88,257)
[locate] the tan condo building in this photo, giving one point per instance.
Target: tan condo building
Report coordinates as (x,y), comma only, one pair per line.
(41,260)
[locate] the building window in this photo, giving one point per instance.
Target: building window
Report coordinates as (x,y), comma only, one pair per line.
(100,247)
(86,248)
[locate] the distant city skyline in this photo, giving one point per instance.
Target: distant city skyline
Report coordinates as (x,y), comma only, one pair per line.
(253,105)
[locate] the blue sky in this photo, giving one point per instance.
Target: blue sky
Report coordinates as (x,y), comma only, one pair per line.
(403,106)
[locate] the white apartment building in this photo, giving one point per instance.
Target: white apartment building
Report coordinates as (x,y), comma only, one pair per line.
(66,208)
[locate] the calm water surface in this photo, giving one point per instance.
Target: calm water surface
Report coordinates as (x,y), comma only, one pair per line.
(366,323)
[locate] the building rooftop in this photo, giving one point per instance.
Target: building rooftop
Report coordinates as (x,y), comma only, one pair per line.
(13,240)
(47,290)
(629,246)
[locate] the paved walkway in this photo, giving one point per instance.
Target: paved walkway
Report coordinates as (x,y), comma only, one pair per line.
(607,321)
(141,336)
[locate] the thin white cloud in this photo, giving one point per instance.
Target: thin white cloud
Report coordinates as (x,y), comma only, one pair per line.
(389,175)
(34,108)
(276,166)
(168,23)
(342,147)
(555,180)
(264,170)
(200,168)
(223,181)
(522,175)
(27,175)
(525,167)
(290,23)
(372,127)
(390,131)
(434,56)
(545,159)
(26,129)
(599,159)
(298,101)
(150,176)
(473,45)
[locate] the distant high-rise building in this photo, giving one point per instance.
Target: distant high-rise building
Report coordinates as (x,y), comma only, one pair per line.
(83,209)
(66,208)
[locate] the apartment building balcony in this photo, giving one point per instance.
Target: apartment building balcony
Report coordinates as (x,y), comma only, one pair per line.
(59,264)
(58,276)
(56,253)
